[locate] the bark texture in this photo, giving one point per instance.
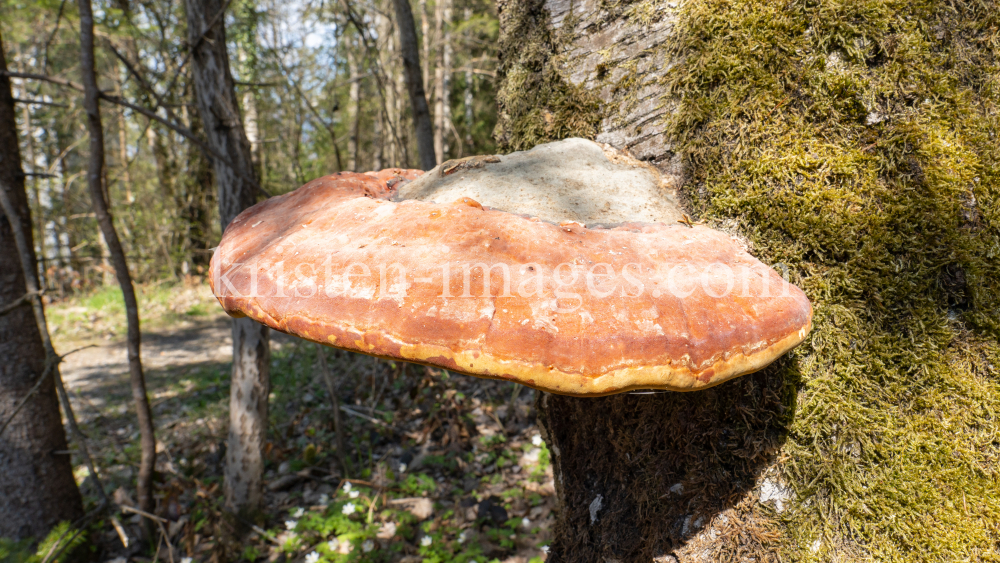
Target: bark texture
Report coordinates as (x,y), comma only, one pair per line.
(37,489)
(217,106)
(410,52)
(855,143)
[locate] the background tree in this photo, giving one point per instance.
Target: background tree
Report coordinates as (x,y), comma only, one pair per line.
(237,189)
(95,182)
(37,489)
(853,143)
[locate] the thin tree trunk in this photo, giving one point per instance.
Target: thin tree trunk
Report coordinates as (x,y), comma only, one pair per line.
(418,100)
(95,182)
(438,88)
(217,105)
(353,112)
(468,99)
(446,52)
(37,489)
(425,44)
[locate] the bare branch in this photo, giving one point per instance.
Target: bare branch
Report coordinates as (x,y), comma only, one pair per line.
(6,309)
(39,103)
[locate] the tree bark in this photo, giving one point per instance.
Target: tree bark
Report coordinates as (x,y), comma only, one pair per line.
(353,112)
(410,52)
(37,489)
(467,99)
(636,476)
(437,90)
(217,105)
(95,182)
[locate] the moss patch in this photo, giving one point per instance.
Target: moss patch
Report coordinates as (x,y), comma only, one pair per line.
(536,104)
(856,142)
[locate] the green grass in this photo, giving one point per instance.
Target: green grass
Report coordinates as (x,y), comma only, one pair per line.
(102,310)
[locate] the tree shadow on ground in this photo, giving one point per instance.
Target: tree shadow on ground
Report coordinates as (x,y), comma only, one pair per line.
(667,476)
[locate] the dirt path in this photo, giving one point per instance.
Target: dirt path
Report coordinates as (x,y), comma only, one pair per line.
(91,370)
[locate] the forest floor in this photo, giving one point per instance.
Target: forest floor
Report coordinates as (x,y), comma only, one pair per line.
(439,467)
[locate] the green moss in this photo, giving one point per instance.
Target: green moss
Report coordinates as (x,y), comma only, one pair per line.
(536,104)
(856,142)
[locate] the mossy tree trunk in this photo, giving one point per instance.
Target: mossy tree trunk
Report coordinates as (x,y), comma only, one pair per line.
(854,143)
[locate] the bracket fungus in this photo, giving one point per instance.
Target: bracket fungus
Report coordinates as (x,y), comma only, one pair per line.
(568,268)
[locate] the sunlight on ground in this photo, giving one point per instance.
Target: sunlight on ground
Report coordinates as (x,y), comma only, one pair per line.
(439,467)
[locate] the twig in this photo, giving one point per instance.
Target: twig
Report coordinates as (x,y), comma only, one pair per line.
(179,129)
(77,528)
(263,533)
(48,369)
(133,510)
(364,416)
(23,401)
(39,103)
(6,309)
(120,529)
(331,391)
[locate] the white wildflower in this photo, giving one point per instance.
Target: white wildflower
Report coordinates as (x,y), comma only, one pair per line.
(312,557)
(354,494)
(525,523)
(426,541)
(347,487)
(349,508)
(545,549)
(402,468)
(462,536)
(367,546)
(298,512)
(536,440)
(324,499)
(290,524)
(186,560)
(333,545)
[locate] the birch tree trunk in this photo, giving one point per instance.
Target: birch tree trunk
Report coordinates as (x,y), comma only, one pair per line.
(437,90)
(217,106)
(37,489)
(446,53)
(467,99)
(353,112)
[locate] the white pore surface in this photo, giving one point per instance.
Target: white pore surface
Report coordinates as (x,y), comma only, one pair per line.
(569,180)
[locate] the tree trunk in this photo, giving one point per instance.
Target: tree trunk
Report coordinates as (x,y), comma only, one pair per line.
(446,53)
(353,112)
(418,100)
(467,98)
(195,198)
(37,489)
(753,110)
(437,89)
(251,384)
(636,476)
(95,182)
